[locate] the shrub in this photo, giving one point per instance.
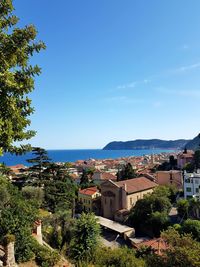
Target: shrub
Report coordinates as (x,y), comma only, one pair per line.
(44,256)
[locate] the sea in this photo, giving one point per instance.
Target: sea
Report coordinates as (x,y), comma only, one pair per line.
(72,155)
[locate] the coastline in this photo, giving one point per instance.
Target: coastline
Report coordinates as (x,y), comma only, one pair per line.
(72,155)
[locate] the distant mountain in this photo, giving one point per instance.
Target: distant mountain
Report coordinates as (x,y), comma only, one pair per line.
(194,144)
(147,144)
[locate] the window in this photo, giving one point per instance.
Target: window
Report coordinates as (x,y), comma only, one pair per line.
(196,181)
(105,200)
(187,180)
(131,201)
(197,190)
(188,189)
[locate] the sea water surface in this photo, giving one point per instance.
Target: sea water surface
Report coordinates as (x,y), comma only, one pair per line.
(72,155)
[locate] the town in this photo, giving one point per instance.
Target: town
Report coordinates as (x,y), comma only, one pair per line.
(99,106)
(114,190)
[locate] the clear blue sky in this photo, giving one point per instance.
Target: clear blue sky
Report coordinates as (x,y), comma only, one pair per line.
(114,70)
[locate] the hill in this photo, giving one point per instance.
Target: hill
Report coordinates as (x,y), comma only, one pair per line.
(194,143)
(147,144)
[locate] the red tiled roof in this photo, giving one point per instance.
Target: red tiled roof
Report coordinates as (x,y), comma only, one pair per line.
(108,176)
(18,166)
(137,184)
(89,191)
(158,244)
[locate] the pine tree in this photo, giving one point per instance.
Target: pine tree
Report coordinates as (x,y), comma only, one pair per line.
(40,161)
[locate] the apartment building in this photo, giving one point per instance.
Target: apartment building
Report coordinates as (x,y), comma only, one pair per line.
(191,185)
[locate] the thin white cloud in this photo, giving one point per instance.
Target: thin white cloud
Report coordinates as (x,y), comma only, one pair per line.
(187,68)
(183,93)
(133,84)
(128,85)
(163,74)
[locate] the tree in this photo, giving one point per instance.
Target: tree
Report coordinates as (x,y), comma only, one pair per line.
(33,193)
(194,208)
(4,169)
(182,250)
(17,217)
(197,159)
(127,172)
(183,208)
(172,162)
(120,257)
(86,176)
(150,214)
(17,46)
(59,193)
(40,161)
(159,221)
(192,227)
(86,237)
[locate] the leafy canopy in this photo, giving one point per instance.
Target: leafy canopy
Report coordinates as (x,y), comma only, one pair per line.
(17,46)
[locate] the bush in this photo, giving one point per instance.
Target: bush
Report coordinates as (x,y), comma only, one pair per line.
(44,256)
(120,257)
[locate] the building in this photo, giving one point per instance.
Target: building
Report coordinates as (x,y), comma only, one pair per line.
(158,245)
(100,176)
(172,177)
(87,197)
(117,198)
(184,158)
(191,185)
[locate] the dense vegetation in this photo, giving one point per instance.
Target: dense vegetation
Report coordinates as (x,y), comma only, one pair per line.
(150,214)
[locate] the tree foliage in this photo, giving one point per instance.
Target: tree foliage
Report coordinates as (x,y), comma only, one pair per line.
(86,237)
(120,257)
(183,251)
(59,194)
(151,212)
(17,217)
(183,208)
(17,46)
(192,227)
(40,161)
(127,172)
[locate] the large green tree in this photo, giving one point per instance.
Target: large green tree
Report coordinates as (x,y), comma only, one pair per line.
(86,237)
(40,160)
(150,214)
(17,45)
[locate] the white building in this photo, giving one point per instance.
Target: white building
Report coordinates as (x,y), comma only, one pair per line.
(192,185)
